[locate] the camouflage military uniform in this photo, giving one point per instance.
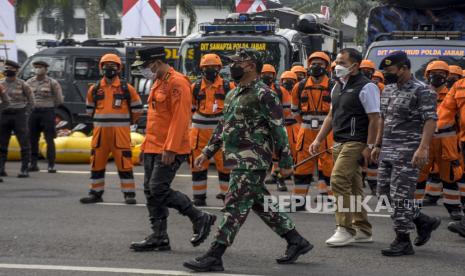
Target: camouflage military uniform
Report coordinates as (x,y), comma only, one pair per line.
(251,130)
(405,111)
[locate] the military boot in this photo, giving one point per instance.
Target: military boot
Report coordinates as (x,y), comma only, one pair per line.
(34,167)
(201,227)
(211,261)
(157,241)
(93,197)
(296,246)
(400,246)
(457,227)
(425,226)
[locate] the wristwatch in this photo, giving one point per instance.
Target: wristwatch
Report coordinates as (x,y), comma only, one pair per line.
(370,146)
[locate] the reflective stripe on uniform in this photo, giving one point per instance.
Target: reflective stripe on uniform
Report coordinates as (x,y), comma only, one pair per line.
(111,124)
(224,186)
(451,196)
(461,188)
(199,187)
(112,116)
(434,188)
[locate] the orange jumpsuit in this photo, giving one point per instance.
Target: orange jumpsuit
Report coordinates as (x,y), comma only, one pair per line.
(311,108)
(453,107)
(444,158)
(112,112)
(207,105)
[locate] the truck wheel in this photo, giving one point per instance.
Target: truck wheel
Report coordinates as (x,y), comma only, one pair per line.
(63,115)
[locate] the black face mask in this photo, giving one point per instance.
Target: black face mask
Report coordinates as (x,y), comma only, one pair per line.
(450,82)
(316,71)
(109,72)
(288,85)
(390,78)
(10,73)
(300,78)
(210,74)
(367,74)
(267,80)
(237,72)
(437,80)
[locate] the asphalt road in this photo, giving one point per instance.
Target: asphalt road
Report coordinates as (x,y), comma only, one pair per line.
(44,230)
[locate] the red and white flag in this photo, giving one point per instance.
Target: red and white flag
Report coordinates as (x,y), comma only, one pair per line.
(141,18)
(8,30)
(247,6)
(325,11)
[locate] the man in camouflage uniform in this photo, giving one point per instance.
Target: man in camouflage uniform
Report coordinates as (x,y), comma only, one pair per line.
(251,130)
(406,127)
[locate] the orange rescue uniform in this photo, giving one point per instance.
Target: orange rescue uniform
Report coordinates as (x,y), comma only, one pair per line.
(113,110)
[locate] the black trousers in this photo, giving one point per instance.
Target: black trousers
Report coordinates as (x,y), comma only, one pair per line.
(43,120)
(17,121)
(157,187)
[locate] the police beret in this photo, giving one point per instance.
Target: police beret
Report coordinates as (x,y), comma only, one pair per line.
(41,63)
(11,63)
(149,53)
(393,59)
(243,54)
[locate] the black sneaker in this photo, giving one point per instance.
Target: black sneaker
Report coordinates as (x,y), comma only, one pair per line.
(91,198)
(130,198)
(152,243)
(51,169)
(205,263)
(202,228)
(294,251)
(400,246)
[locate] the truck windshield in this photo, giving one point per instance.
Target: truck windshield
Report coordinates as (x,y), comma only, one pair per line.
(56,69)
(420,56)
(274,53)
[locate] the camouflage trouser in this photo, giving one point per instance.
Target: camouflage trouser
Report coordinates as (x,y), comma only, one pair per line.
(397,180)
(247,191)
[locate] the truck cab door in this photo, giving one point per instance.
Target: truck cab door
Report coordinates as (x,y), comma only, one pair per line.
(85,72)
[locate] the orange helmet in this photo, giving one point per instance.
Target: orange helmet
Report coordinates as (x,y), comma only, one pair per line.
(367,64)
(298,69)
(210,60)
(454,69)
(268,68)
(321,55)
(289,75)
(110,58)
(436,65)
(378,74)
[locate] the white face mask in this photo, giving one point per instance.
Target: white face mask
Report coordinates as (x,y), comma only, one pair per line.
(147,73)
(341,71)
(40,71)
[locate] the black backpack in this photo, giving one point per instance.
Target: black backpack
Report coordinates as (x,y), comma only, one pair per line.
(198,97)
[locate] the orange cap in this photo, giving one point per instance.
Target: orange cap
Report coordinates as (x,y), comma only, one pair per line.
(268,68)
(454,69)
(321,55)
(436,65)
(110,58)
(289,75)
(378,74)
(367,64)
(298,69)
(210,60)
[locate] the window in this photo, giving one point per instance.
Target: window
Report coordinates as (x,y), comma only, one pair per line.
(110,27)
(79,26)
(86,69)
(170,26)
(48,25)
(20,25)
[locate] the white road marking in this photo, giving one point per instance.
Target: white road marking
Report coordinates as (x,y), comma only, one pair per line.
(116,173)
(219,208)
(110,269)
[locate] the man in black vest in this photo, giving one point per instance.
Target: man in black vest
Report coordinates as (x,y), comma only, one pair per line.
(353,119)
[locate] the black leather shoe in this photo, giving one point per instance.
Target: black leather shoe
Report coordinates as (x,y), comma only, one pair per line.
(400,246)
(425,226)
(91,198)
(202,227)
(294,251)
(205,263)
(152,243)
(23,174)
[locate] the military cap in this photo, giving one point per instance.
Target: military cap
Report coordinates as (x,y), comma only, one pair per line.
(149,53)
(393,59)
(40,63)
(11,63)
(243,54)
